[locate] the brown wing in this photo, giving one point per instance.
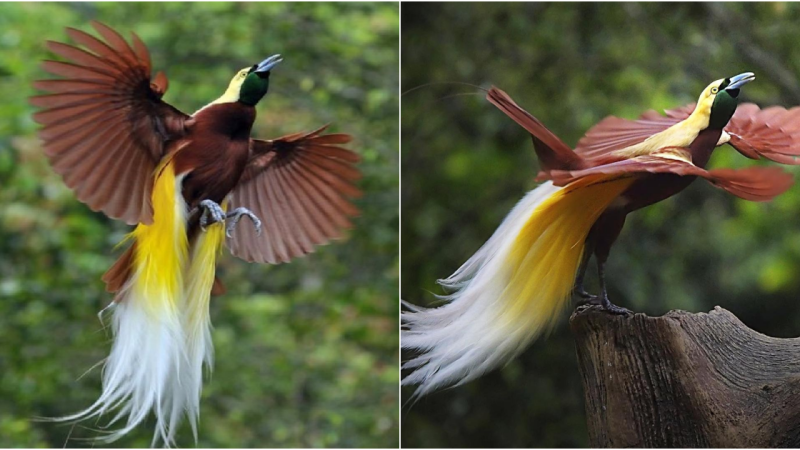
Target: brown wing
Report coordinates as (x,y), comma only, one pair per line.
(552,152)
(771,133)
(758,184)
(299,186)
(753,183)
(613,133)
(104,124)
(675,160)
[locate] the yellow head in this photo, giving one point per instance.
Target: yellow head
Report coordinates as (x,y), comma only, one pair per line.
(250,84)
(719,99)
(707,97)
(234,87)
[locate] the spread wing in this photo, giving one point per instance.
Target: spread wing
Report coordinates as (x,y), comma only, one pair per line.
(752,183)
(300,187)
(104,123)
(614,133)
(771,133)
(551,151)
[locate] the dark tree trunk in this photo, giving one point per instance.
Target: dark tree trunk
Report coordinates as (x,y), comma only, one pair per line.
(686,380)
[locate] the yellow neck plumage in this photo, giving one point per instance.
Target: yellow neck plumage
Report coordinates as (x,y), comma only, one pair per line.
(682,133)
(231,94)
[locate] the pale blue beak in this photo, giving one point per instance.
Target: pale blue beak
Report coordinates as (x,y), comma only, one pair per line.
(740,80)
(267,64)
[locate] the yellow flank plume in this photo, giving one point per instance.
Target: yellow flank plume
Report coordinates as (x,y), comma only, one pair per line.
(545,256)
(142,372)
(512,290)
(195,319)
(162,247)
(201,272)
(200,279)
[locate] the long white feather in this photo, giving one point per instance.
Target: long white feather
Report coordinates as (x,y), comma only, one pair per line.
(454,336)
(148,354)
(196,322)
(503,236)
(510,291)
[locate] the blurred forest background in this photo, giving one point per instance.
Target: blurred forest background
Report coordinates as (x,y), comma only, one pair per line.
(465,164)
(306,353)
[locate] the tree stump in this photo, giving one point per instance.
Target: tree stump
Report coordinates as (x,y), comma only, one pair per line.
(686,380)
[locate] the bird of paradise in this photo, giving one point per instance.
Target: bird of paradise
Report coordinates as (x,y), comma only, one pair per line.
(515,287)
(184,181)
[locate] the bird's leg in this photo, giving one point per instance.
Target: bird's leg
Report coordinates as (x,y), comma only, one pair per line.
(601,237)
(604,301)
(578,289)
(236,215)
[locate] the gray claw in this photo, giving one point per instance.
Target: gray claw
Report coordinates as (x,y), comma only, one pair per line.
(214,210)
(236,215)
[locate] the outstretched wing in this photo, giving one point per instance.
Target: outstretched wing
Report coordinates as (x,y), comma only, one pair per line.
(104,123)
(552,152)
(753,183)
(771,133)
(613,133)
(300,187)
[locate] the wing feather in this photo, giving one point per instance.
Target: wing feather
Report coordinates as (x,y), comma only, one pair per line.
(752,183)
(771,133)
(303,202)
(551,151)
(301,186)
(105,127)
(307,235)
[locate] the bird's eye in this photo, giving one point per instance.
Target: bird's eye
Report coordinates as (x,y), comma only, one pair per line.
(713,90)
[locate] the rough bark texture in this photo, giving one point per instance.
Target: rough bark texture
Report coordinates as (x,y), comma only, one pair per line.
(686,380)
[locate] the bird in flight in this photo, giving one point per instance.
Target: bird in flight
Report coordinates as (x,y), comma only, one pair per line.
(516,285)
(185,181)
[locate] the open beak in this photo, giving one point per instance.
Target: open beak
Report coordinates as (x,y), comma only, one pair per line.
(267,64)
(740,80)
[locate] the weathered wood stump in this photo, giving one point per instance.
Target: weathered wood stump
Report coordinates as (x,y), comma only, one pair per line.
(686,380)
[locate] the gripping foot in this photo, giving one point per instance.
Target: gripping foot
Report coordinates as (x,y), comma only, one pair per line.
(588,299)
(598,300)
(585,297)
(612,308)
(603,302)
(213,213)
(213,210)
(236,215)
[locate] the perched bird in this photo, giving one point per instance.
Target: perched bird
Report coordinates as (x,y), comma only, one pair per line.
(513,289)
(184,181)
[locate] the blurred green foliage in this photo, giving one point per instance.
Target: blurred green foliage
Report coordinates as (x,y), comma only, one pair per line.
(306,353)
(465,164)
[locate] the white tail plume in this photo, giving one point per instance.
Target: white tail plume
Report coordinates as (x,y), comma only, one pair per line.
(510,291)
